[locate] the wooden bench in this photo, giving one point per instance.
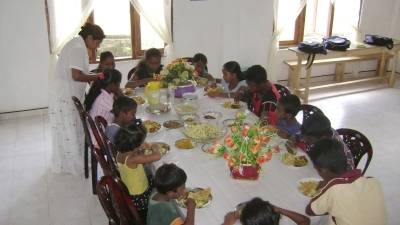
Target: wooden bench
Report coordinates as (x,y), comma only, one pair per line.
(353,54)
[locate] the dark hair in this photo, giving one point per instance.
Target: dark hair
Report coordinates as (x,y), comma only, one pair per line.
(317,126)
(169,177)
(130,137)
(199,57)
(291,104)
(92,29)
(256,74)
(150,53)
(328,154)
(234,67)
(105,55)
(111,76)
(259,212)
(123,104)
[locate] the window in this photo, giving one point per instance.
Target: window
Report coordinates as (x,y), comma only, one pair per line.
(317,19)
(127,33)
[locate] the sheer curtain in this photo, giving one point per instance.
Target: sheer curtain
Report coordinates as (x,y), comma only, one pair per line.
(280,23)
(158,15)
(65,19)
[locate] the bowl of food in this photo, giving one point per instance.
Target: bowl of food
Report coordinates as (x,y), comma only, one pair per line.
(212,115)
(162,147)
(185,144)
(232,105)
(202,132)
(128,91)
(173,124)
(201,196)
(186,108)
(296,160)
(190,119)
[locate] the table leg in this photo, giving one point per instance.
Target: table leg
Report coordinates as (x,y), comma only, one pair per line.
(307,85)
(297,76)
(392,77)
(382,66)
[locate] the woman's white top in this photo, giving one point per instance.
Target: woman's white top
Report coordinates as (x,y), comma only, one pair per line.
(225,86)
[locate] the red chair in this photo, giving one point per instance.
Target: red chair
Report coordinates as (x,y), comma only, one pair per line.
(309,110)
(109,148)
(114,198)
(358,144)
(283,91)
(88,140)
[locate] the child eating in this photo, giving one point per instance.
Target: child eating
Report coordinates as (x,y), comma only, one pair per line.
(347,196)
(170,184)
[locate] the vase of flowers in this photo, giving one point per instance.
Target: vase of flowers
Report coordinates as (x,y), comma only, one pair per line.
(246,148)
(179,76)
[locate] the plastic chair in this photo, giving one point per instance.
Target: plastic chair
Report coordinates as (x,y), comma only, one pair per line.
(358,144)
(283,91)
(115,200)
(88,140)
(309,110)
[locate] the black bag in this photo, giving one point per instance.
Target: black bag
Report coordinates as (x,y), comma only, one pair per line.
(311,48)
(378,40)
(336,43)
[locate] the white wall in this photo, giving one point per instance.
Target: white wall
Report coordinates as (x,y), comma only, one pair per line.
(24,55)
(222,29)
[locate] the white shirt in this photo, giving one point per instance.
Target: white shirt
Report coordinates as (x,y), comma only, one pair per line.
(102,106)
(225,85)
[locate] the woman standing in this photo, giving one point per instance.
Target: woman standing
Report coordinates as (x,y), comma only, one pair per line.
(70,79)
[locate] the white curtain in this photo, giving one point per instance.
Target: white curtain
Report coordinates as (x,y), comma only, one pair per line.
(158,15)
(279,27)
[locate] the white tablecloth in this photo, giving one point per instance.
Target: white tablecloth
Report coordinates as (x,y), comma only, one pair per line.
(277,183)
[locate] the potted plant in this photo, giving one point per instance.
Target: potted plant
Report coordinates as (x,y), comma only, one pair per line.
(246,148)
(178,75)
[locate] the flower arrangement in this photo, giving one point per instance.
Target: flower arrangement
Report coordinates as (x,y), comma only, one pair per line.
(246,148)
(178,72)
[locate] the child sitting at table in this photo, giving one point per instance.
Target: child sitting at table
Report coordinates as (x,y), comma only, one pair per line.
(99,101)
(199,62)
(258,92)
(170,184)
(124,110)
(318,127)
(144,72)
(130,158)
(259,212)
(107,61)
(347,196)
(232,81)
(287,109)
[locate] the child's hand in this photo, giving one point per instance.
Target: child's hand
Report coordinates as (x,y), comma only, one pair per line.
(190,203)
(230,218)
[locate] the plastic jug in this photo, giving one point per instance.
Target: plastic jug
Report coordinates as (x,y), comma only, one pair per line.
(152,93)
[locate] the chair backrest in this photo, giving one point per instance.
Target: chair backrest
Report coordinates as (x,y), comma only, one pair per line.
(283,91)
(117,204)
(109,150)
(83,115)
(95,132)
(103,161)
(131,72)
(309,110)
(358,144)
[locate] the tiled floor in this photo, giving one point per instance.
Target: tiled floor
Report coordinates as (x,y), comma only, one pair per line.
(30,194)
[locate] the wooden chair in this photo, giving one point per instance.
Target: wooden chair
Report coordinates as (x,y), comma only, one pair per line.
(88,140)
(358,144)
(283,91)
(309,110)
(114,198)
(109,149)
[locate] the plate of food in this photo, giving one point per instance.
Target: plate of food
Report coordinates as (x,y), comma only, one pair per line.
(308,186)
(232,105)
(139,100)
(213,90)
(152,126)
(173,124)
(191,119)
(162,147)
(128,91)
(233,122)
(201,196)
(295,159)
(185,143)
(212,115)
(186,108)
(202,132)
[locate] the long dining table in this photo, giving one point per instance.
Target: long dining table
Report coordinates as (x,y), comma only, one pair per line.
(277,182)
